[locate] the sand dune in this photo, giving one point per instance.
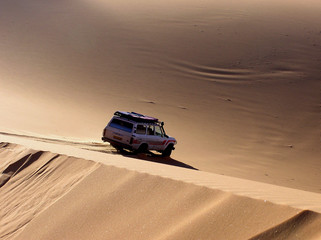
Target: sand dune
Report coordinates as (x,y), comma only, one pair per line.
(236,82)
(51,196)
(28,184)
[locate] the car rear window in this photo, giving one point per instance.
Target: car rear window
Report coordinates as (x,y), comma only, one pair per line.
(122,125)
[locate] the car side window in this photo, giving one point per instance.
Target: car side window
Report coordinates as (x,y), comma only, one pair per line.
(158,131)
(141,129)
(150,130)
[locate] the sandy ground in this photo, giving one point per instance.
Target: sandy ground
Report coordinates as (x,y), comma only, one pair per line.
(55,196)
(236,82)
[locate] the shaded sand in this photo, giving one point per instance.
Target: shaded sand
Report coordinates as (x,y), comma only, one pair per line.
(51,196)
(31,181)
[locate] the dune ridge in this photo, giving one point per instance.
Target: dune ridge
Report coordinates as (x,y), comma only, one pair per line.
(79,199)
(257,189)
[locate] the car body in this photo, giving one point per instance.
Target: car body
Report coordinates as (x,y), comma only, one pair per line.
(137,132)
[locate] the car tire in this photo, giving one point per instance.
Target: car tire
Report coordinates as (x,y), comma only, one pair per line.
(142,148)
(168,151)
(117,147)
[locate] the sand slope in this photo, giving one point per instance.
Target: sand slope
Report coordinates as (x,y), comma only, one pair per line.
(51,196)
(31,181)
(237,83)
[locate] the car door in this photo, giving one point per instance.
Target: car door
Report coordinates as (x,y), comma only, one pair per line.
(155,137)
(140,135)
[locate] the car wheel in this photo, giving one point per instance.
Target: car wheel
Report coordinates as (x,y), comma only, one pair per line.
(142,148)
(117,147)
(168,151)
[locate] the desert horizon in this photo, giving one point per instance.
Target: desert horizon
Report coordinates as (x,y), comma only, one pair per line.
(236,83)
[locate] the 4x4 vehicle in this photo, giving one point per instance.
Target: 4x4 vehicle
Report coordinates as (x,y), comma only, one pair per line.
(137,132)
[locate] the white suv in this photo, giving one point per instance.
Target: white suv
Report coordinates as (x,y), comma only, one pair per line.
(138,132)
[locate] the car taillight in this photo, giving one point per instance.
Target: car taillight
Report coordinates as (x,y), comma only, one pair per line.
(134,140)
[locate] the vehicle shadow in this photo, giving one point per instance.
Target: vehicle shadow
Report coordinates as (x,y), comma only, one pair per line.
(157,158)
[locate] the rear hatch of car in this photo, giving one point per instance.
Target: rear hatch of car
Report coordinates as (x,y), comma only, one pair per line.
(119,130)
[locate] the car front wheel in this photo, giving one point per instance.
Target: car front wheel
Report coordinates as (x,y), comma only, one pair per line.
(168,151)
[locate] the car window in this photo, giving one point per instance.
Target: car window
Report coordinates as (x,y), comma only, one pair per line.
(150,130)
(141,129)
(122,125)
(158,131)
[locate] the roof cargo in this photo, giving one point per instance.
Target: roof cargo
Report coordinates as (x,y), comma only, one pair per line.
(136,117)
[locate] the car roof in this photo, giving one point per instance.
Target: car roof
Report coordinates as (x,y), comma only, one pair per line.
(136,117)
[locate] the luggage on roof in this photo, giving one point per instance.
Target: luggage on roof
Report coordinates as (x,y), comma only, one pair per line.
(136,117)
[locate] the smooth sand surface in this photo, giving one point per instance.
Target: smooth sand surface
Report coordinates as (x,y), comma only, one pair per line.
(236,82)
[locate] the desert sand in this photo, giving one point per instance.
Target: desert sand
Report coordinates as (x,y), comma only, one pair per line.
(236,82)
(55,196)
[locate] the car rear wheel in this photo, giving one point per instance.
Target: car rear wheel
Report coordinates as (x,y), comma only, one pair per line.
(118,147)
(142,148)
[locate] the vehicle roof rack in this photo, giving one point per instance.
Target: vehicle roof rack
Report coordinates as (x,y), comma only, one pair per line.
(136,117)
